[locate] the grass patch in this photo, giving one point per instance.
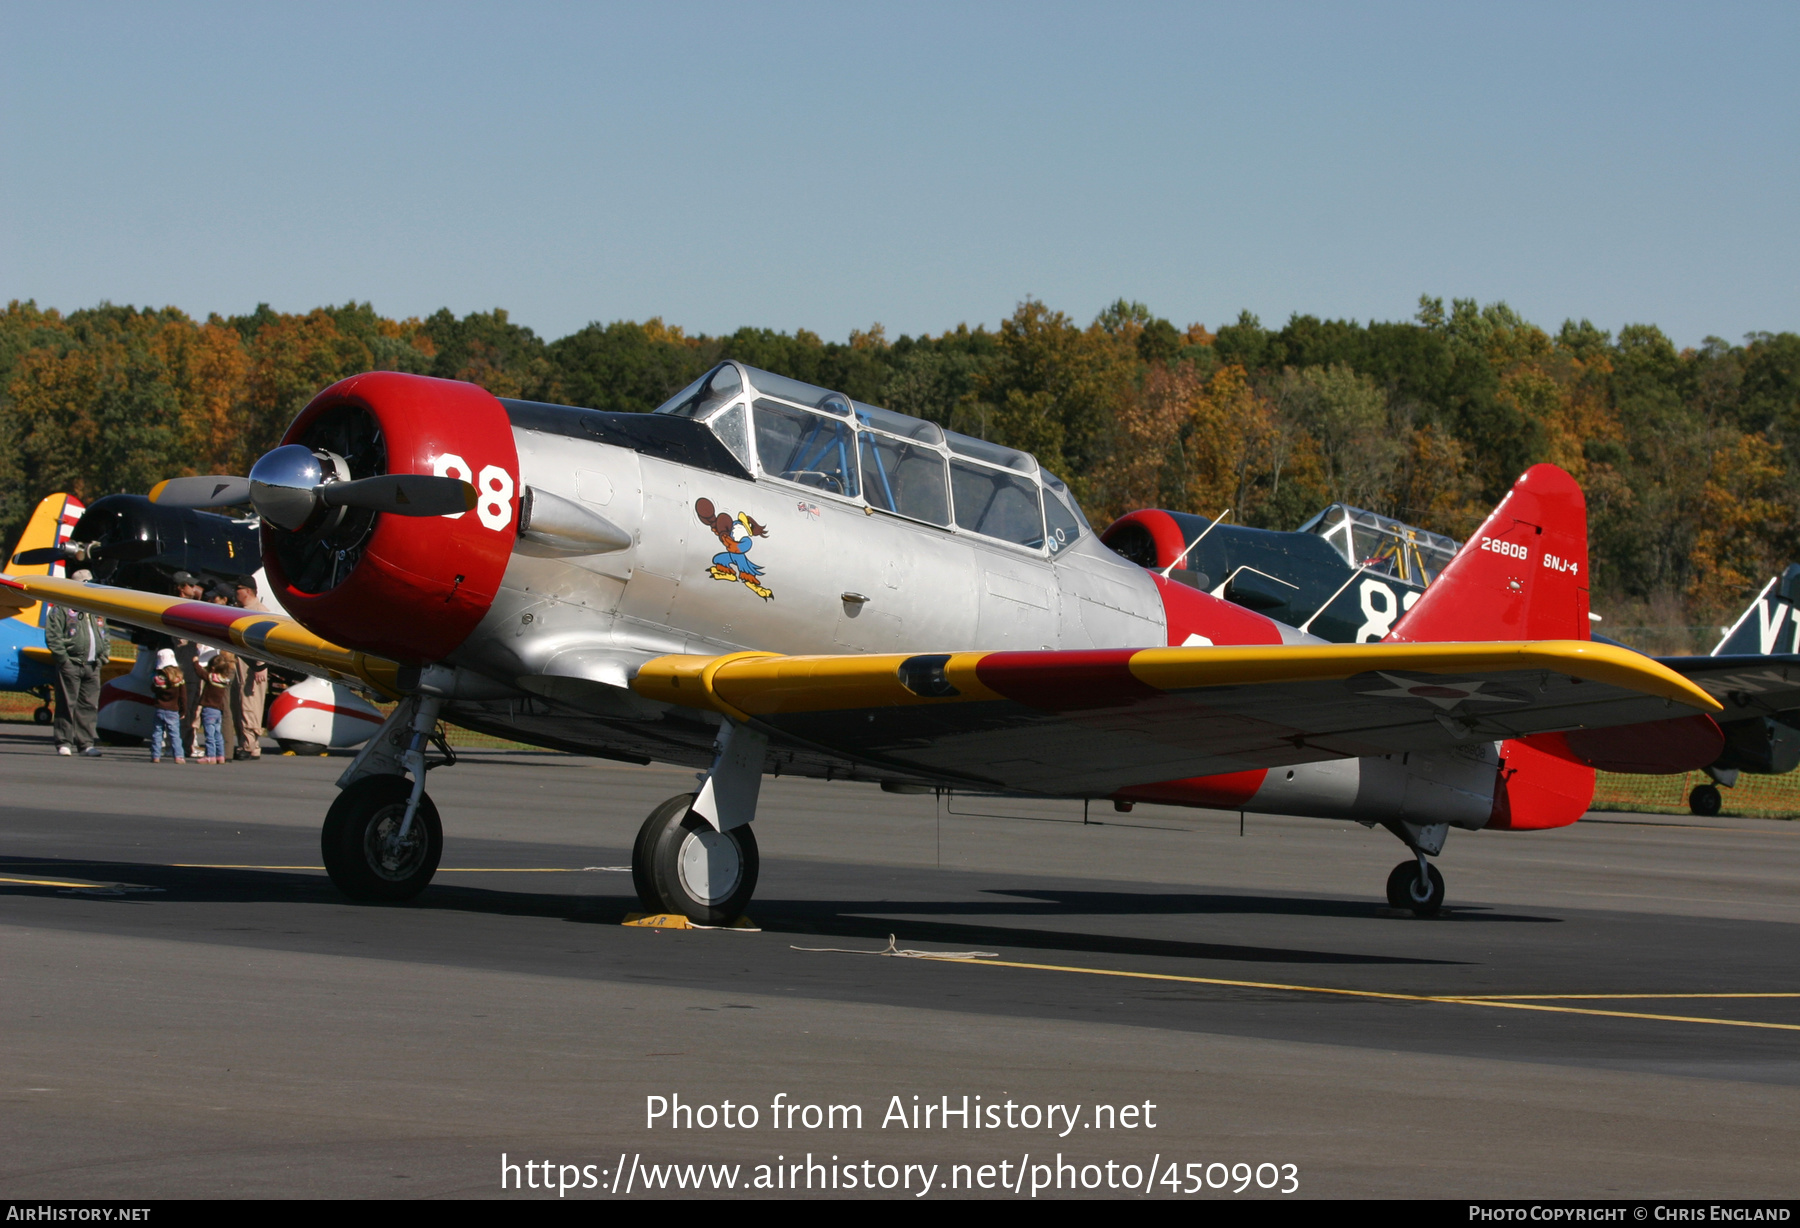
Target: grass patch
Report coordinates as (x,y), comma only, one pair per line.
(1757,797)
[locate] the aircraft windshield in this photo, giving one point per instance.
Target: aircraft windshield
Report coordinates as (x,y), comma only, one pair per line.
(1382,544)
(892,462)
(705,394)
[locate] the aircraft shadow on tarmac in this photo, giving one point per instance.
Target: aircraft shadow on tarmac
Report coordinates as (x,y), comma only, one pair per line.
(965,923)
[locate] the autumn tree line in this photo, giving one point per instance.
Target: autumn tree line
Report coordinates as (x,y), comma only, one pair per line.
(1690,457)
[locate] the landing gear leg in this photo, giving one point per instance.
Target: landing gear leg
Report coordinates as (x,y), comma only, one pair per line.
(1416,885)
(382,838)
(682,864)
(41,714)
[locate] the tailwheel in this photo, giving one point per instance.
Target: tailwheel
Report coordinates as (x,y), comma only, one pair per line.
(681,865)
(1408,889)
(365,853)
(41,715)
(1705,800)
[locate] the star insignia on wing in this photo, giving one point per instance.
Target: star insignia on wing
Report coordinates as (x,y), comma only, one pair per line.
(1443,695)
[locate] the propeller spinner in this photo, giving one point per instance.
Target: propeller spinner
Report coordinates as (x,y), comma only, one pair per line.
(290,486)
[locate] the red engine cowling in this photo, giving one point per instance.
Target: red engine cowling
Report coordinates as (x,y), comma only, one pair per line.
(407,588)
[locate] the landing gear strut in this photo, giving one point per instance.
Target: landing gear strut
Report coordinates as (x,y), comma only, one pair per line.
(382,838)
(680,864)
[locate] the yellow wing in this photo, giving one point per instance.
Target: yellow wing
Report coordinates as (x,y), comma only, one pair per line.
(1086,722)
(263,636)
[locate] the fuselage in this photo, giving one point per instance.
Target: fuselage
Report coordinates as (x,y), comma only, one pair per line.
(738,557)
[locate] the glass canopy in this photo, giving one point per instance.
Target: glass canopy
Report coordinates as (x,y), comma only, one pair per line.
(825,441)
(1382,544)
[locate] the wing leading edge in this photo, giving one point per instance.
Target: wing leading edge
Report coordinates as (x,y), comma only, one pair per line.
(254,633)
(1088,723)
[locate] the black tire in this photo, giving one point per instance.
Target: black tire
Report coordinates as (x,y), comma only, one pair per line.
(642,879)
(1705,801)
(679,864)
(351,841)
(1403,890)
(41,716)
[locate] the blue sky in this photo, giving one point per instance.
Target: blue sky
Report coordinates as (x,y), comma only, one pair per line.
(827,166)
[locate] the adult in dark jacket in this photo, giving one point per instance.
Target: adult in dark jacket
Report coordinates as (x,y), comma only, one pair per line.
(78,649)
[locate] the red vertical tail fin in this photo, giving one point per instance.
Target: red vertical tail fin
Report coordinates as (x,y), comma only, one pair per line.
(1522,576)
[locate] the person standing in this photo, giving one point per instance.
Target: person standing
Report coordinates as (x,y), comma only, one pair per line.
(187,656)
(169,694)
(215,692)
(78,649)
(250,684)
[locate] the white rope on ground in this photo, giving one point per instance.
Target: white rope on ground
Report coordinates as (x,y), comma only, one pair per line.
(902,953)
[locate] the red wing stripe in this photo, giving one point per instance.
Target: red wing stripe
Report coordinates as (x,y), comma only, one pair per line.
(1095,678)
(203,618)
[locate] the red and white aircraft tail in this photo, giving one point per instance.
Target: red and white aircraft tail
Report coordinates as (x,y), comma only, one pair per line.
(1522,576)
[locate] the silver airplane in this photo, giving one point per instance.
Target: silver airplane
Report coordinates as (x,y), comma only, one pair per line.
(768,577)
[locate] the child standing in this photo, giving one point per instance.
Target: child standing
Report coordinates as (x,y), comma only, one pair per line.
(170,697)
(216,673)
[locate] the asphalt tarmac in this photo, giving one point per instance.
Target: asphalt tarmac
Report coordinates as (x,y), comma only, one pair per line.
(187,1008)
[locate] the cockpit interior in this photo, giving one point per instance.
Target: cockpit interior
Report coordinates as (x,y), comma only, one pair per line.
(1383,545)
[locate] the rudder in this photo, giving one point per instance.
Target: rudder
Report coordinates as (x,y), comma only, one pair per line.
(1521,576)
(51,523)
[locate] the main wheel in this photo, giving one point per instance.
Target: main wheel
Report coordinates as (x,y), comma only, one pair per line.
(363,852)
(1405,891)
(41,715)
(1705,800)
(680,864)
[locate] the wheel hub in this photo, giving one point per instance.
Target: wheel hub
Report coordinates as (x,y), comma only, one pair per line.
(710,865)
(389,856)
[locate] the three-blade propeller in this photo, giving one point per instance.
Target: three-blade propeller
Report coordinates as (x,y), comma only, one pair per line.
(287,487)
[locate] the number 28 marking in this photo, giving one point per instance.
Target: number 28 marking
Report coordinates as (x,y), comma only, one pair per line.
(495,486)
